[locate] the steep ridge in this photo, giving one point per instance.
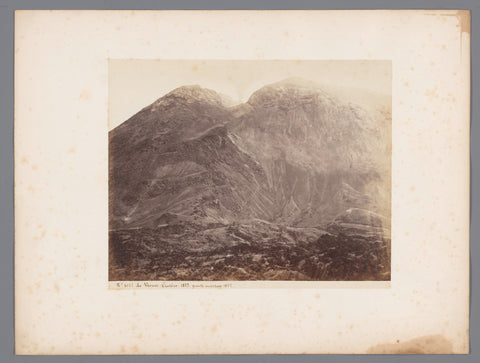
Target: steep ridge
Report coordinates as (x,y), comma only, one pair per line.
(295,170)
(181,114)
(205,178)
(176,157)
(321,155)
(307,155)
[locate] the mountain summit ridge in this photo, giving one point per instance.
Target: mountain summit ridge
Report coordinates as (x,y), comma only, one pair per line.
(293,184)
(302,155)
(191,93)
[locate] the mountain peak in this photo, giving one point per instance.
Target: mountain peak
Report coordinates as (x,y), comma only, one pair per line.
(286,90)
(193,93)
(296,82)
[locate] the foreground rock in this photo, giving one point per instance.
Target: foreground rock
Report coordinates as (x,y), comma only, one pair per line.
(246,252)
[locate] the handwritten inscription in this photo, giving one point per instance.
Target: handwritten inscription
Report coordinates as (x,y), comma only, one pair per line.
(169,285)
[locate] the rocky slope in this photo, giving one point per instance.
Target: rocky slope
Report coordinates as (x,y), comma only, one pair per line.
(198,174)
(321,155)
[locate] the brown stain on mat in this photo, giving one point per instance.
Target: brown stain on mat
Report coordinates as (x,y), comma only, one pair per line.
(85,95)
(430,344)
(463,17)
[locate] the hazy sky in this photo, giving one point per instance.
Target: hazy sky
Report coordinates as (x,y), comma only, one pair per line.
(134,84)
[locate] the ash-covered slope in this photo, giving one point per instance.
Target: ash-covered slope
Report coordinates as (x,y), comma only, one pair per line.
(174,161)
(321,155)
(294,154)
(179,115)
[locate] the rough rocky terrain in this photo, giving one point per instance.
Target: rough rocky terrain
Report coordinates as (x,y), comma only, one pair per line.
(294,184)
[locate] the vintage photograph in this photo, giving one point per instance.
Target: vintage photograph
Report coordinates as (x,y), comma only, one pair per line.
(226,170)
(242,182)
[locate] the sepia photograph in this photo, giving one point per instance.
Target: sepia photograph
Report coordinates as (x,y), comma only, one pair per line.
(249,170)
(242,182)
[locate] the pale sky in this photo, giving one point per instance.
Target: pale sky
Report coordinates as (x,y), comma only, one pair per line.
(134,84)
